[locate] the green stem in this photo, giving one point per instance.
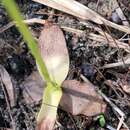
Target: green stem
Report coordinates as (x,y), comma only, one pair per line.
(14,13)
(52,93)
(50,102)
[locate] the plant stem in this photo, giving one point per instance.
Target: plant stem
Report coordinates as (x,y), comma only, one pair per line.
(14,13)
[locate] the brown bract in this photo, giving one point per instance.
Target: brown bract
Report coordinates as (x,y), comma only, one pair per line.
(53,50)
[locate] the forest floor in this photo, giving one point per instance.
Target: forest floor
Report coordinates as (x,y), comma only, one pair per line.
(87,56)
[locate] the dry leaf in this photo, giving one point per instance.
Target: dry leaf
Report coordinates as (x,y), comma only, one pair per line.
(6,79)
(81,98)
(78,98)
(126,88)
(33,88)
(125,85)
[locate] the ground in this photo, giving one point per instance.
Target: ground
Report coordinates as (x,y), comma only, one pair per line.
(85,58)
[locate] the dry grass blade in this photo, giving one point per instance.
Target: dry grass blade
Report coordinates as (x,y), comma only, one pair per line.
(100,38)
(121,14)
(109,41)
(4,28)
(121,63)
(34,20)
(79,10)
(72,7)
(96,37)
(6,79)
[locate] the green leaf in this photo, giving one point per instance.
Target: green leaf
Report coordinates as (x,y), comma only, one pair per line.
(102,121)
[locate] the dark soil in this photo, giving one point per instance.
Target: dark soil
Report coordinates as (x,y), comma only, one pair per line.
(84,58)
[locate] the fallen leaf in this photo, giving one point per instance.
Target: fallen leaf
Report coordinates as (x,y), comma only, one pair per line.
(78,98)
(81,98)
(33,88)
(6,79)
(125,86)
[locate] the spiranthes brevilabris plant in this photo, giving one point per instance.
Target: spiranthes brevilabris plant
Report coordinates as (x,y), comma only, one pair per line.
(52,60)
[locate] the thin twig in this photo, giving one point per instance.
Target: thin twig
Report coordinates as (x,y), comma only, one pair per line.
(121,120)
(92,36)
(118,64)
(120,112)
(121,14)
(6,27)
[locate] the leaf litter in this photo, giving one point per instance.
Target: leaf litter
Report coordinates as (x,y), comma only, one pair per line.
(85,52)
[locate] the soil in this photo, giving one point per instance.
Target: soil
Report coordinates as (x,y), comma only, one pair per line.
(84,58)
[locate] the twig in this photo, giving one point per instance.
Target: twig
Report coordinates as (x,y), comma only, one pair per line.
(115,108)
(121,14)
(95,37)
(121,113)
(126,126)
(6,27)
(99,38)
(34,20)
(121,120)
(110,127)
(118,64)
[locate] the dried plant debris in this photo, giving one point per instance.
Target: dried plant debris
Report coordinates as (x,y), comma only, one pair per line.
(99,52)
(33,88)
(72,7)
(81,98)
(5,129)
(6,80)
